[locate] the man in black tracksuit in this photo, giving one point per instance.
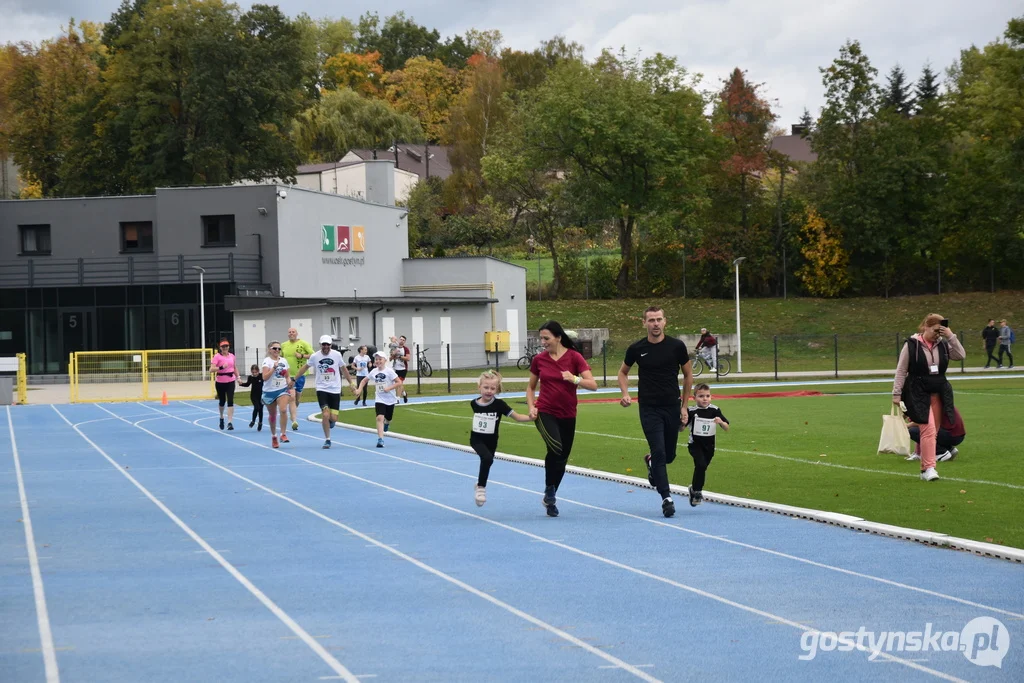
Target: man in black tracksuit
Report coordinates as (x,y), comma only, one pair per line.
(662,408)
(991,336)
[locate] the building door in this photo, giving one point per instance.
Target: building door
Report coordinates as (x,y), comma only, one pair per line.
(77,332)
(177,331)
(255,341)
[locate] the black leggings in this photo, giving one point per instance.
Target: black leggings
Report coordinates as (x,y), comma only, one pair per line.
(486,454)
(257,409)
(365,387)
(558,434)
(702,455)
(226,394)
(661,426)
(990,350)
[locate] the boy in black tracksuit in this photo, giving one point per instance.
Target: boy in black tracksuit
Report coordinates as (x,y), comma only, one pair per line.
(255,382)
(705,419)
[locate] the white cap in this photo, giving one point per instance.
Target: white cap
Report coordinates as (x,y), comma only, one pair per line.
(381,354)
(326,339)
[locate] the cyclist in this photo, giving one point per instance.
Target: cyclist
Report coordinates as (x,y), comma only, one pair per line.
(707,348)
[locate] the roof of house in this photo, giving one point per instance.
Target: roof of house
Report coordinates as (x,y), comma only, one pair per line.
(795,147)
(320,168)
(411,158)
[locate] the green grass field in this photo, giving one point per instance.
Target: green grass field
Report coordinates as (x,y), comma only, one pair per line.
(800,451)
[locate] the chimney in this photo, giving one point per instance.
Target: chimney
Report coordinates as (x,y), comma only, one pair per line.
(380,182)
(798,129)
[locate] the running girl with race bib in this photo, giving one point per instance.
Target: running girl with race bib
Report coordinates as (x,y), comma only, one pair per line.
(385,382)
(487,413)
(705,419)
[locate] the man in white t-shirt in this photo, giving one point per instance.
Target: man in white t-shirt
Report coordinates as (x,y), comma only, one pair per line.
(329,366)
(385,381)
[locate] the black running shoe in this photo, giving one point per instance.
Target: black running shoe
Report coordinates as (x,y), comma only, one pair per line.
(549,501)
(668,508)
(405,399)
(231,427)
(650,474)
(222,423)
(251,424)
(259,427)
(327,444)
(355,402)
(696,498)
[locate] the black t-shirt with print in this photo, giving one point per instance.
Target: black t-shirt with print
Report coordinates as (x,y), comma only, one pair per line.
(486,419)
(696,426)
(658,369)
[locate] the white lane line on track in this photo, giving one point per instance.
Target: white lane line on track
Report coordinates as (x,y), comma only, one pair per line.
(765,454)
(723,539)
(294,627)
(42,613)
(618,663)
(691,589)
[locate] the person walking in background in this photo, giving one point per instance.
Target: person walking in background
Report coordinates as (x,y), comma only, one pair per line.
(255,383)
(483,437)
(921,384)
(296,352)
(1006,339)
(991,336)
(276,391)
(223,364)
(663,413)
(362,363)
(560,369)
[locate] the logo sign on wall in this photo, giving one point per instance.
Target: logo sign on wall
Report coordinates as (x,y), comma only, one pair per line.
(343,238)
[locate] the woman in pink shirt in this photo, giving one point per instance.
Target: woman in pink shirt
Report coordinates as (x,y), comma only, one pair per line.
(560,369)
(922,386)
(223,364)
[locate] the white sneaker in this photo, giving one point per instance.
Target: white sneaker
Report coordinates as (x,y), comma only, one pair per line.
(913,456)
(954,451)
(481,496)
(944,457)
(929,474)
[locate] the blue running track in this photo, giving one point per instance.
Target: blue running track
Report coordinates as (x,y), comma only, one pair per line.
(168,550)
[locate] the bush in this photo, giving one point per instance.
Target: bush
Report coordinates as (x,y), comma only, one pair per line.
(603,272)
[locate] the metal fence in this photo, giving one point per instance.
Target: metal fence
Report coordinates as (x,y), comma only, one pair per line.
(176,374)
(121,270)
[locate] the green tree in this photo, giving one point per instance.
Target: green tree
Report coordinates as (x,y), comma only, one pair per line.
(927,89)
(319,40)
(201,94)
(897,95)
(398,40)
(478,112)
(343,120)
(629,135)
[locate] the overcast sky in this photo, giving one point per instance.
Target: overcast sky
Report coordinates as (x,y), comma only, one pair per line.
(780,43)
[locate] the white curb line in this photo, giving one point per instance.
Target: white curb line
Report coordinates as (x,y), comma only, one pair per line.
(834,518)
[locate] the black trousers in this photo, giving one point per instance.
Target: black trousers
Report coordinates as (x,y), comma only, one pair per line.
(367,386)
(558,434)
(257,409)
(486,453)
(702,453)
(943,439)
(991,356)
(1006,348)
(661,426)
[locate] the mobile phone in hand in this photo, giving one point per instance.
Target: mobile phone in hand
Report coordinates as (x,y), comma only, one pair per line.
(944,322)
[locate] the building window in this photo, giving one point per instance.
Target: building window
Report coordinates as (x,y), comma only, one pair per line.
(219,231)
(336,328)
(353,327)
(35,239)
(137,237)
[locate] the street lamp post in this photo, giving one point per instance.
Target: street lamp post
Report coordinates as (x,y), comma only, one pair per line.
(202,316)
(739,346)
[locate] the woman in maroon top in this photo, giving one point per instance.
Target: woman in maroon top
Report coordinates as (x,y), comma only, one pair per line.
(560,369)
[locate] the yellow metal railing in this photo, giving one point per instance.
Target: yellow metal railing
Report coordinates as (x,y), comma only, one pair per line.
(174,374)
(22,387)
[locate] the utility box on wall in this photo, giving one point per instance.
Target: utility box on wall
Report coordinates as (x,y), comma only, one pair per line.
(502,339)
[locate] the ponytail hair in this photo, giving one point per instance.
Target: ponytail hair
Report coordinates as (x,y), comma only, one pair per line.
(556,330)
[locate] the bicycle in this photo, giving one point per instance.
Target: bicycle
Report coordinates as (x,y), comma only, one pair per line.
(524,362)
(422,364)
(699,365)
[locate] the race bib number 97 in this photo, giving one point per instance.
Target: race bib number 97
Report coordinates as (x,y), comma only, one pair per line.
(703,426)
(485,424)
